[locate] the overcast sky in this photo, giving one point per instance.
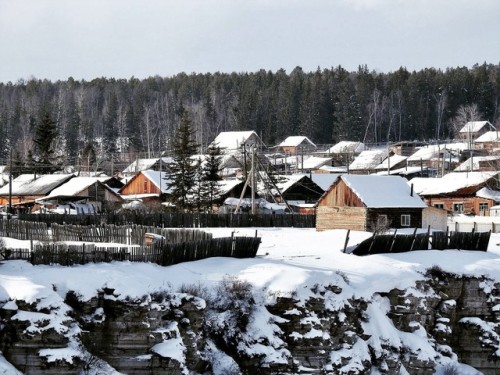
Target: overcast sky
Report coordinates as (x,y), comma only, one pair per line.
(56,39)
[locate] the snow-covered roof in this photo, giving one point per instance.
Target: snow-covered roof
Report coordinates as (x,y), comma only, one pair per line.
(383,191)
(234,140)
(225,186)
(466,165)
(144,164)
(488,193)
(432,151)
(294,141)
(330,169)
(313,162)
(347,147)
(324,180)
(492,136)
(159,179)
(391,161)
(450,183)
(29,184)
(475,126)
(405,171)
(368,159)
(74,186)
(283,182)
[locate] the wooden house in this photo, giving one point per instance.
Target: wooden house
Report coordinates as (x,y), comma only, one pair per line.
(91,190)
(27,188)
(154,164)
(296,145)
(460,193)
(296,187)
(489,141)
(369,203)
(405,148)
(367,161)
(147,186)
(473,130)
(480,164)
(230,142)
(344,152)
(437,157)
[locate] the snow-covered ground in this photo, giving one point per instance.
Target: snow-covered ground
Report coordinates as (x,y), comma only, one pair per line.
(289,261)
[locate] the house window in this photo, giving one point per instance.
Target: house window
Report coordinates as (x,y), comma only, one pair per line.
(458,207)
(439,205)
(405,220)
(382,221)
(483,207)
(145,186)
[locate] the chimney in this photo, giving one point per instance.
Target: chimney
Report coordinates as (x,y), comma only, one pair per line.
(411,190)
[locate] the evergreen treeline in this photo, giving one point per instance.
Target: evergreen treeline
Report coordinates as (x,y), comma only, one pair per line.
(111,120)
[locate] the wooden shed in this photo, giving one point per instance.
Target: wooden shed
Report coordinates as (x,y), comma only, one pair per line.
(296,145)
(369,203)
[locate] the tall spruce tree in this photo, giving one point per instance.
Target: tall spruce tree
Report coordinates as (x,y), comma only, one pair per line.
(182,171)
(210,177)
(45,134)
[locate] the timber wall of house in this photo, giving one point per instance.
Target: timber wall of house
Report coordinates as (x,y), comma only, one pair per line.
(394,217)
(19,199)
(340,195)
(140,185)
(353,218)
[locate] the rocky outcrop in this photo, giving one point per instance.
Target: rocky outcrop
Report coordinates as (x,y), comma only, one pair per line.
(443,318)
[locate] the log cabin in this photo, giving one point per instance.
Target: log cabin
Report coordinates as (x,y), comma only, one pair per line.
(369,203)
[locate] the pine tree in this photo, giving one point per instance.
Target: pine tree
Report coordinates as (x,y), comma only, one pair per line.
(182,171)
(210,177)
(45,134)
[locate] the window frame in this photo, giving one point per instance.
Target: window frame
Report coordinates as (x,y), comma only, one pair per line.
(405,220)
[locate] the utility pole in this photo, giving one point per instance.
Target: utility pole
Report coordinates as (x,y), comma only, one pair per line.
(10,183)
(253,180)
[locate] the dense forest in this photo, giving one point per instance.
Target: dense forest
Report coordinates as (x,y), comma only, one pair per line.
(115,120)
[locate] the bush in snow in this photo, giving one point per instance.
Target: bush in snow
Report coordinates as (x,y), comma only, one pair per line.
(450,369)
(197,290)
(232,305)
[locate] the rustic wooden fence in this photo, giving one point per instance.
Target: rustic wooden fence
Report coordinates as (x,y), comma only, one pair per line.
(180,220)
(162,253)
(397,243)
(125,234)
(24,230)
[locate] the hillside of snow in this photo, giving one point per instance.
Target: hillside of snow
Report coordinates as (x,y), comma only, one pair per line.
(293,265)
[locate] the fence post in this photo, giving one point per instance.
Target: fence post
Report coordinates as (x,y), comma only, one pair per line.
(346,240)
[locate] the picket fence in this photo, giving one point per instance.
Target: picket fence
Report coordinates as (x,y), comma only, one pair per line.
(162,253)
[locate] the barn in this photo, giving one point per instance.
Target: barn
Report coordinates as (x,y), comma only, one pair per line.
(369,203)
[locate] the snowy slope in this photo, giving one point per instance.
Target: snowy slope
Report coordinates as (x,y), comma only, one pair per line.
(289,261)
